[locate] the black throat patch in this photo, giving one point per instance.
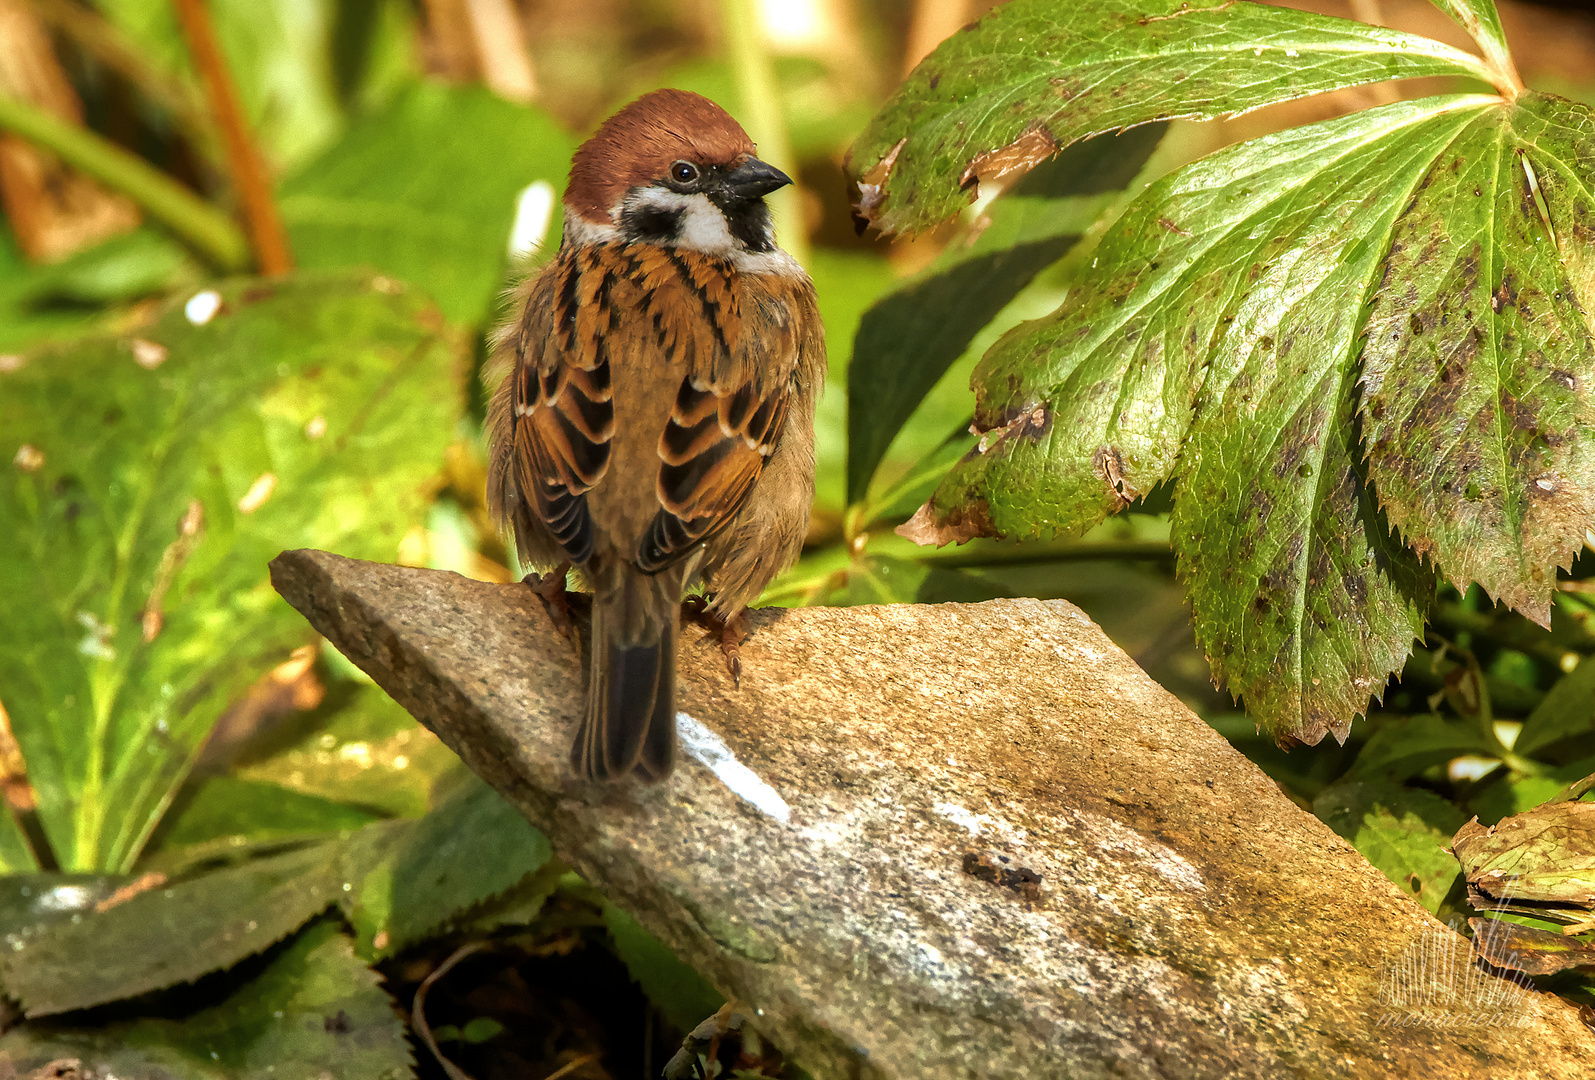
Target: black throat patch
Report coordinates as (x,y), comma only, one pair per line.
(651,224)
(749,222)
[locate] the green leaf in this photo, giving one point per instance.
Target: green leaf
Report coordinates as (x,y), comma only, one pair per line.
(1566,713)
(910,337)
(426,192)
(480,1029)
(1403,832)
(1477,377)
(251,810)
(807,581)
(881,579)
(23,320)
(171,934)
(1303,601)
(1482,22)
(1028,79)
(360,747)
(124,267)
(520,905)
(375,52)
(276,54)
(1088,408)
(677,991)
(418,877)
(875,576)
(16,851)
(315,1011)
(308,412)
(31,902)
(1226,344)
(1405,747)
(1245,377)
(919,482)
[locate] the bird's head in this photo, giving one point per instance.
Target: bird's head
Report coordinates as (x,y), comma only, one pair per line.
(674,169)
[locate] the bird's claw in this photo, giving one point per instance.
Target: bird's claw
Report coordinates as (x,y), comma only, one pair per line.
(550,589)
(730,632)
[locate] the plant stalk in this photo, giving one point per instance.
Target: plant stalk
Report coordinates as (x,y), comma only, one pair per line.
(766,123)
(209,231)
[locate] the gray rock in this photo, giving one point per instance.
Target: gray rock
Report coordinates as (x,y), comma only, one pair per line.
(987,845)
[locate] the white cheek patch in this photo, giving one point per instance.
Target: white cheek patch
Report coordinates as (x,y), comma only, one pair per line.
(703,226)
(579,232)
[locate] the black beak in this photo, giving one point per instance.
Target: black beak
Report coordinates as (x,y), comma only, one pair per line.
(754,179)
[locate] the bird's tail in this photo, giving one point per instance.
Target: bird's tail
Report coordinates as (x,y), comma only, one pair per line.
(631,690)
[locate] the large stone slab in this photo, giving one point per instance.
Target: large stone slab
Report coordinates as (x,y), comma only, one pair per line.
(972,841)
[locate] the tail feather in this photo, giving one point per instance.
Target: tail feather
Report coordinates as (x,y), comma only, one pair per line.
(627,704)
(630,719)
(659,746)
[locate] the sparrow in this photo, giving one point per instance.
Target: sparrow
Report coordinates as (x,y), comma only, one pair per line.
(654,426)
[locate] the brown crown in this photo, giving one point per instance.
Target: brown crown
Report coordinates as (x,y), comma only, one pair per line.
(640,142)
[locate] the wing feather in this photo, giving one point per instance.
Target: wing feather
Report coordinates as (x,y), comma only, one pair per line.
(564,409)
(730,346)
(710,458)
(731,408)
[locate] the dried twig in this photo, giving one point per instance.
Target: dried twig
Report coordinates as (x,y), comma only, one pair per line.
(418,1010)
(243,158)
(571,1066)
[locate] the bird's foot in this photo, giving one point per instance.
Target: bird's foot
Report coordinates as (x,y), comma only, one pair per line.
(731,632)
(550,589)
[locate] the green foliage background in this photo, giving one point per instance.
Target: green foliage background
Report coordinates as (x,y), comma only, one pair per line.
(154,457)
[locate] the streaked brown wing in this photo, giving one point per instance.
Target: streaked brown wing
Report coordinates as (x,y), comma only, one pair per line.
(711,453)
(564,410)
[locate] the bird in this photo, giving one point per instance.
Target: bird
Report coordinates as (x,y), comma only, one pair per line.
(654,423)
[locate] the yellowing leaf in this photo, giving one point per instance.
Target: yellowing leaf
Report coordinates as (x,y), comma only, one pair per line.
(1543,856)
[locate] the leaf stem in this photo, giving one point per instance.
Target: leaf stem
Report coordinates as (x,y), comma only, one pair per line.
(1506,79)
(1497,57)
(766,122)
(1031,554)
(1575,790)
(196,222)
(243,159)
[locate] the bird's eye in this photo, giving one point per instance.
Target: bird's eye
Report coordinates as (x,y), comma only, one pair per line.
(683,172)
